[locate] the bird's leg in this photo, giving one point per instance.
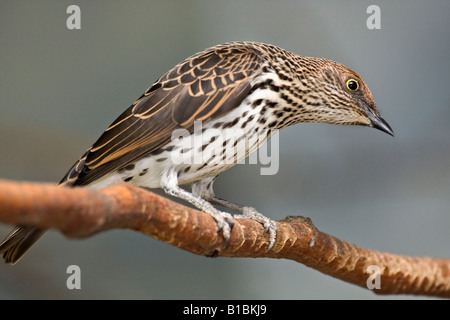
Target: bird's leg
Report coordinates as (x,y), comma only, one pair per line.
(204,189)
(169,182)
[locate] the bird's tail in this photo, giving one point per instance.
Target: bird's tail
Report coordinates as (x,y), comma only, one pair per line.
(18,242)
(21,238)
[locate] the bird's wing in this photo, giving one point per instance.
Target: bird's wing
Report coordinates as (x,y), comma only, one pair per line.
(201,88)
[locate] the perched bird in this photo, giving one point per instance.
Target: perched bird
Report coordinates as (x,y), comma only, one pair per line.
(247,90)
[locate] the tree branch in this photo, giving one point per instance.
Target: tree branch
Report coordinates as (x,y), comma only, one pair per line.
(80,213)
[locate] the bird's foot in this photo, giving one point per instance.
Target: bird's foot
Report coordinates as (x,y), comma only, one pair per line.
(225,223)
(270,226)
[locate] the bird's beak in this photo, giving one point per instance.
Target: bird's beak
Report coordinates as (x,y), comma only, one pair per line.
(378,122)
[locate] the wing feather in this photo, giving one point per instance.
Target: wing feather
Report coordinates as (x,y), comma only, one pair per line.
(203,87)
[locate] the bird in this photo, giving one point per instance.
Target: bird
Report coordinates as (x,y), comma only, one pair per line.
(188,126)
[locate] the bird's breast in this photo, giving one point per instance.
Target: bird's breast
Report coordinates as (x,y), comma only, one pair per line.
(212,147)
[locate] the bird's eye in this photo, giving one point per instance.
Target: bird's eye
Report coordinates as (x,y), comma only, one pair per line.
(352,85)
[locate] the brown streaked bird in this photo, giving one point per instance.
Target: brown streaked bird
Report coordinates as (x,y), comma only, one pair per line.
(205,115)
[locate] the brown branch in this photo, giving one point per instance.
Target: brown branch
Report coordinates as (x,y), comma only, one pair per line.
(79,213)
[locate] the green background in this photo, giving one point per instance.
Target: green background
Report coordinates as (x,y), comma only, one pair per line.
(60,88)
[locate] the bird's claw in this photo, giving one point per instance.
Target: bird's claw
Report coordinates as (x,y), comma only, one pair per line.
(225,223)
(270,226)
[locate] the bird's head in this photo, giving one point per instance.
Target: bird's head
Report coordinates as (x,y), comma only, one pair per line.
(340,96)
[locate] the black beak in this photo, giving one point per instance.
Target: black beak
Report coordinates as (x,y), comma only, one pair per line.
(379,123)
(376,121)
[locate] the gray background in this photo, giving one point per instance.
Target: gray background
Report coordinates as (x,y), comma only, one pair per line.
(61,88)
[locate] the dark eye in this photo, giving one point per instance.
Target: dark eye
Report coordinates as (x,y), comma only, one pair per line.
(352,85)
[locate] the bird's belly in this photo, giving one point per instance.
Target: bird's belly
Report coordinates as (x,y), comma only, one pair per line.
(206,152)
(210,149)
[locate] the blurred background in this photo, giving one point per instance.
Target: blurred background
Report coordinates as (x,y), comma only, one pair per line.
(60,88)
